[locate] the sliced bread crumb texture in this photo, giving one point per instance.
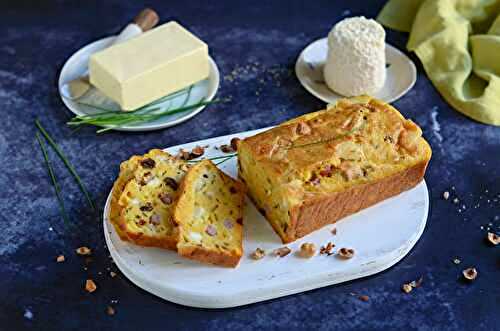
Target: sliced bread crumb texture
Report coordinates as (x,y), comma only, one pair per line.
(209,212)
(145,204)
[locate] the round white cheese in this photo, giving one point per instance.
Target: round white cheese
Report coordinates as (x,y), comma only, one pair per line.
(355,64)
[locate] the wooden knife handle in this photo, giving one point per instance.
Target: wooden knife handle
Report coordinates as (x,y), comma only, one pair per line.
(146,19)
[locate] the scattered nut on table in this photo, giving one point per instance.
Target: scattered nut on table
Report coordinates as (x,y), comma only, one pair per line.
(60,259)
(110,310)
(258,254)
(493,238)
(90,286)
(197,151)
(470,273)
(84,250)
(282,252)
(346,253)
(407,288)
(307,250)
(327,249)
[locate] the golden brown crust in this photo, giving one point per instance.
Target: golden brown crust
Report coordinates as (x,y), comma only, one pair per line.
(211,257)
(147,241)
(201,253)
(127,169)
(130,171)
(320,167)
(313,214)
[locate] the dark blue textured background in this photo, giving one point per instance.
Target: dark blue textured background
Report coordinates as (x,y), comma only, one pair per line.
(36,293)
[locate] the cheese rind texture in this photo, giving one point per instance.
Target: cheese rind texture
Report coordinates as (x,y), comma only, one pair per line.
(150,66)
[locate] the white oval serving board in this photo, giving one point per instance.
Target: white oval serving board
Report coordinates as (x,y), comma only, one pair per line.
(77,66)
(380,235)
(401,73)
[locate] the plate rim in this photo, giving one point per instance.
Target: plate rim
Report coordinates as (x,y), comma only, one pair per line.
(202,300)
(310,89)
(214,74)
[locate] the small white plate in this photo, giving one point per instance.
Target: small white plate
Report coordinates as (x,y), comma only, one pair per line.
(401,73)
(77,65)
(380,235)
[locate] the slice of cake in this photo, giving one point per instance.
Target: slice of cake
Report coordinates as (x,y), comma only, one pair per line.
(323,166)
(209,212)
(143,199)
(127,169)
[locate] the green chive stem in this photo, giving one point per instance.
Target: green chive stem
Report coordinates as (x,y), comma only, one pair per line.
(53,178)
(66,162)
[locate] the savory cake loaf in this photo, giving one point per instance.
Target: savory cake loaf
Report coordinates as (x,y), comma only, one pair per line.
(209,212)
(143,199)
(323,166)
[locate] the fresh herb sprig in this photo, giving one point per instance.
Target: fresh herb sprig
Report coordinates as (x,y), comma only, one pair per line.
(66,163)
(325,141)
(110,119)
(50,170)
(119,119)
(229,156)
(226,159)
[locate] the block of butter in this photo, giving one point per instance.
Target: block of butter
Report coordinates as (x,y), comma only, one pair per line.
(150,66)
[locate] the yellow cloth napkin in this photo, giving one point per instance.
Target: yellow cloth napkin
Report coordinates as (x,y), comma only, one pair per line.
(458,42)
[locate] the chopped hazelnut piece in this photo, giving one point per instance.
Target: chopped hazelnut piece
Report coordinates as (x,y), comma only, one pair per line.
(84,250)
(197,151)
(446,195)
(282,251)
(307,250)
(407,288)
(456,260)
(110,311)
(351,170)
(185,155)
(417,283)
(148,163)
(258,254)
(60,259)
(364,298)
(456,200)
(170,182)
(493,238)
(334,231)
(234,143)
(303,128)
(112,274)
(226,148)
(90,286)
(470,273)
(211,230)
(326,171)
(346,253)
(327,249)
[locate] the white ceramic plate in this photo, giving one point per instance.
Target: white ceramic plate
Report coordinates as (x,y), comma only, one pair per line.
(77,65)
(380,235)
(401,73)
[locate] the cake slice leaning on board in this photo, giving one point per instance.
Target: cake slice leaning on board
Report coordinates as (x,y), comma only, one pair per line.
(209,212)
(316,169)
(143,198)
